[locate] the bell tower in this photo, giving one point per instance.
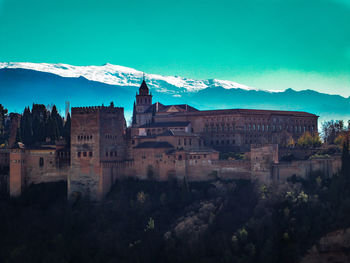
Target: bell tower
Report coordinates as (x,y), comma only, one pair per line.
(144,98)
(143,102)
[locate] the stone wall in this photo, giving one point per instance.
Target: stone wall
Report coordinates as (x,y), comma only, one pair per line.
(34,166)
(237,129)
(194,165)
(4,158)
(42,166)
(97,136)
(17,172)
(328,166)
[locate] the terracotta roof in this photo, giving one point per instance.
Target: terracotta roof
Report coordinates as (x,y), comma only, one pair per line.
(251,112)
(176,133)
(154,145)
(165,108)
(166,124)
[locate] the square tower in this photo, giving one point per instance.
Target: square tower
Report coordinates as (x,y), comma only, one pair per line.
(97,136)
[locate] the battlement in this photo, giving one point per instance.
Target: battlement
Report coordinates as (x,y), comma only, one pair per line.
(96,109)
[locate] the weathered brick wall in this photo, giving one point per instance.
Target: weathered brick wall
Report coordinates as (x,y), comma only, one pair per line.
(42,166)
(33,166)
(236,131)
(17,173)
(97,136)
(4,158)
(195,166)
(85,152)
(283,170)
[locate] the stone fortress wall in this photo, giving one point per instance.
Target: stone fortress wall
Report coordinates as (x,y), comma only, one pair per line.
(164,142)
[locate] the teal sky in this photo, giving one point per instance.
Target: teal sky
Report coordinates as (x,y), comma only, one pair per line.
(269,44)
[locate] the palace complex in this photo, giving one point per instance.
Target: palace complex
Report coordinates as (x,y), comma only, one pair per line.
(163,142)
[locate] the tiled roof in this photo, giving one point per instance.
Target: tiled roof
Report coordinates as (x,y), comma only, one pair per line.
(154,145)
(166,124)
(251,112)
(176,133)
(163,108)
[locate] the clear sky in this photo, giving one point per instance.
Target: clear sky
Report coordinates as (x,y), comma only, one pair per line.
(269,44)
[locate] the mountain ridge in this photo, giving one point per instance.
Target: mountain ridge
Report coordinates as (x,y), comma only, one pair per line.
(22,87)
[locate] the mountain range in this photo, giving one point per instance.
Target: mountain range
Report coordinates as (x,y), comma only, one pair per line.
(22,84)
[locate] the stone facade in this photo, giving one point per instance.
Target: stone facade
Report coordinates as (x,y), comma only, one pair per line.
(97,136)
(37,165)
(163,142)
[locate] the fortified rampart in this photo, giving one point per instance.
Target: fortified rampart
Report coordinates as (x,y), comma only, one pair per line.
(168,141)
(97,136)
(327,166)
(36,165)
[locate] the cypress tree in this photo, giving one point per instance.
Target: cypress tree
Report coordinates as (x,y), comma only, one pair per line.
(134,114)
(58,119)
(345,169)
(26,127)
(52,129)
(66,131)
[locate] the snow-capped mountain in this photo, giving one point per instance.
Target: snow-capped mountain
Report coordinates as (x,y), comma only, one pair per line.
(124,76)
(22,84)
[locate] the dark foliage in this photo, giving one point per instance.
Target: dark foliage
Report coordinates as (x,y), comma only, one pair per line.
(252,223)
(4,130)
(40,123)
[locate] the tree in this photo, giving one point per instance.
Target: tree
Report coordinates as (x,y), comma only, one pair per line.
(26,127)
(66,130)
(134,114)
(52,129)
(3,115)
(58,119)
(331,129)
(345,168)
(309,140)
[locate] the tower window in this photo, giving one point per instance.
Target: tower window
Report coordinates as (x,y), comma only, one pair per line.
(41,162)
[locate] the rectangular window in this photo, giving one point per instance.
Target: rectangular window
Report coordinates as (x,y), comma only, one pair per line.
(79,154)
(84,154)
(41,162)
(90,154)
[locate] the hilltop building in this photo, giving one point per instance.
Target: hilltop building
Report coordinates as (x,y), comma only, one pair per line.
(165,141)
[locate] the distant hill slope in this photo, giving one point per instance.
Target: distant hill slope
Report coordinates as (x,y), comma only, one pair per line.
(21,87)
